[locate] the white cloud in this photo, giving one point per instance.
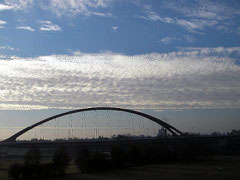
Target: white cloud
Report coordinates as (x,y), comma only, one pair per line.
(191,25)
(115,28)
(204,9)
(205,13)
(9,48)
(224,28)
(102,14)
(167,40)
(195,24)
(61,7)
(197,15)
(74,7)
(4,7)
(28,28)
(2,23)
(49,26)
(18,4)
(187,38)
(188,78)
(214,51)
(153,16)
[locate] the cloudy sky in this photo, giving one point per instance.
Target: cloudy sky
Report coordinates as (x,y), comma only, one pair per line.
(155,55)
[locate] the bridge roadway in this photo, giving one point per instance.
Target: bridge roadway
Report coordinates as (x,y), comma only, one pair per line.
(19,148)
(47,148)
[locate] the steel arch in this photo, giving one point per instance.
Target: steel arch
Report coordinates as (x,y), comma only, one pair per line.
(171,129)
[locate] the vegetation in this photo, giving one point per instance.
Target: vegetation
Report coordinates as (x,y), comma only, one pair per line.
(61,160)
(214,168)
(82,160)
(33,168)
(121,158)
(15,171)
(33,157)
(118,158)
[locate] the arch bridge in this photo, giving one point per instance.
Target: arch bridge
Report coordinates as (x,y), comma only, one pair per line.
(174,131)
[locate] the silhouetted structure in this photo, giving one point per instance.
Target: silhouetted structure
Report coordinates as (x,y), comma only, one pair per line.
(168,127)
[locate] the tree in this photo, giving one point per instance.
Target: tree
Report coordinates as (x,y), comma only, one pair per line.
(82,160)
(61,160)
(119,157)
(15,170)
(33,157)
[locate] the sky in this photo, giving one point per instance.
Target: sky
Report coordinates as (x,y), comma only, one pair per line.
(158,56)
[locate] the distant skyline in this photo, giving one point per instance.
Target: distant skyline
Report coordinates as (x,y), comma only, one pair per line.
(149,55)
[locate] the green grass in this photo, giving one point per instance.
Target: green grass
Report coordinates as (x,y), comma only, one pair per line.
(216,168)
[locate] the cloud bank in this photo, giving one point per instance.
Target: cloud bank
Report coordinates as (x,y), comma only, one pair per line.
(188,78)
(73,7)
(16,4)
(60,7)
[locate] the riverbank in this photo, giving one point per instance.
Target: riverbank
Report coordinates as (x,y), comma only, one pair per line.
(218,167)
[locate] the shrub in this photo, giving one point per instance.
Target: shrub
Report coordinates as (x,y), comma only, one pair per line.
(46,170)
(135,155)
(82,160)
(32,160)
(164,153)
(95,163)
(29,171)
(15,171)
(32,167)
(148,155)
(33,157)
(61,160)
(120,157)
(196,151)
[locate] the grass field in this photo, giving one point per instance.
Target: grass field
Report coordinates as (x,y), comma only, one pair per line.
(216,168)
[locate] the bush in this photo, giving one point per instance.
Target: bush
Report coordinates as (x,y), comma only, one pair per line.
(15,171)
(165,153)
(29,171)
(95,163)
(120,157)
(32,160)
(32,167)
(98,163)
(149,155)
(46,170)
(82,160)
(135,155)
(61,160)
(33,157)
(195,151)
